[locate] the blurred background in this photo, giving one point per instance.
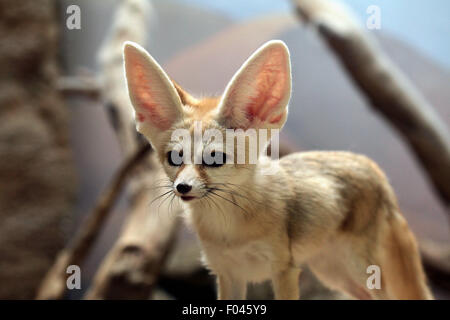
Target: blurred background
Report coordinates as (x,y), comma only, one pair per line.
(200,44)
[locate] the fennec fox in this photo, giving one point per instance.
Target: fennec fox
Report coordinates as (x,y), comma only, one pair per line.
(334,211)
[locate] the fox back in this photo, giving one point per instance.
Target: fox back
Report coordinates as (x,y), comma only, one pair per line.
(259,218)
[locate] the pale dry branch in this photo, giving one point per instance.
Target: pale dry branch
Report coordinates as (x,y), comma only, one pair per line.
(111,75)
(79,85)
(54,283)
(385,87)
(132,266)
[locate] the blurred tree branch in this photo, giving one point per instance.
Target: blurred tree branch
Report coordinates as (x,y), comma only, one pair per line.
(436,260)
(132,266)
(385,87)
(87,86)
(54,284)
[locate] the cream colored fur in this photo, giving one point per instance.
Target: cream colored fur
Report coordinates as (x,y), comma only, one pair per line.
(334,211)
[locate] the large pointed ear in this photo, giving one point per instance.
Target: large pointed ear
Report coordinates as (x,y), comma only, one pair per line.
(155,100)
(258,94)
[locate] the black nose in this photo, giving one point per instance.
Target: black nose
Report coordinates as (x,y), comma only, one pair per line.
(183,188)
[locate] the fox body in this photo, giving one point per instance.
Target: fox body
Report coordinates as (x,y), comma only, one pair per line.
(334,211)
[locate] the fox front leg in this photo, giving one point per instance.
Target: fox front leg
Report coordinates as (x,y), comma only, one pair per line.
(230,288)
(285,283)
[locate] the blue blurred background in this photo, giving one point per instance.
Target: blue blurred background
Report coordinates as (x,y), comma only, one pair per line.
(419,23)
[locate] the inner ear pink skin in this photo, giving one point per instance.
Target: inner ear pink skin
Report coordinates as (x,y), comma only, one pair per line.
(258,95)
(140,117)
(151,92)
(269,90)
(149,109)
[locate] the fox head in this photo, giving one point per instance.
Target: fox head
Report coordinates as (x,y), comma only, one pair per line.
(192,136)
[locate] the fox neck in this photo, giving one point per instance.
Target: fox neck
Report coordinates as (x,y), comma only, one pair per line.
(222,215)
(232,199)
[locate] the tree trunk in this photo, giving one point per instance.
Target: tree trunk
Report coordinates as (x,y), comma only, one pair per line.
(38,181)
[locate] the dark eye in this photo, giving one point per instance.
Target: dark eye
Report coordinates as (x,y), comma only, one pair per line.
(175,158)
(216,159)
